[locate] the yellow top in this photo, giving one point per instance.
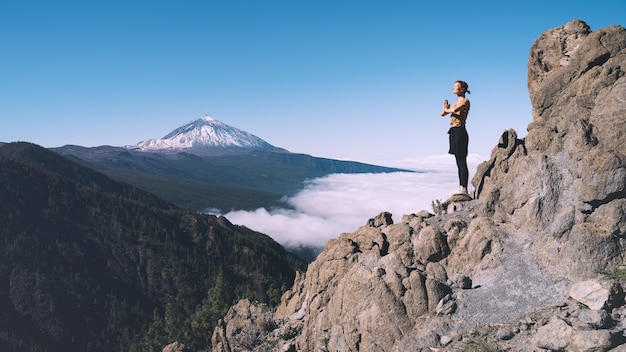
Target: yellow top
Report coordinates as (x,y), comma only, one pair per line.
(459,116)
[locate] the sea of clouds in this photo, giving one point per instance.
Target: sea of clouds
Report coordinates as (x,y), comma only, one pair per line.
(339,203)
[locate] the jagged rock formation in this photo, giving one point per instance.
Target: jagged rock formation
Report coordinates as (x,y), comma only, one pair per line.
(565,180)
(514,269)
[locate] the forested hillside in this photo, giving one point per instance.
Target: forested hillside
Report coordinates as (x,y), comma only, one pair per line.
(91,264)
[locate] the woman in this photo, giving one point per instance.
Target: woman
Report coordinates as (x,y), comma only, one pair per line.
(459,139)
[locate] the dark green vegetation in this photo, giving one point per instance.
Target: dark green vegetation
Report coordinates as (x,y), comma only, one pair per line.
(241,181)
(88,263)
(617,273)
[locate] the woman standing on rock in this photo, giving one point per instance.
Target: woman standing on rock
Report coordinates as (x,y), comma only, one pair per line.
(459,139)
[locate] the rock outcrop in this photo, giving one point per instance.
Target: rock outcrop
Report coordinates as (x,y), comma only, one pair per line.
(533,263)
(565,182)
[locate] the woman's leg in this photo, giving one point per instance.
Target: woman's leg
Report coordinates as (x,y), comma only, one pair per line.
(461,163)
(459,142)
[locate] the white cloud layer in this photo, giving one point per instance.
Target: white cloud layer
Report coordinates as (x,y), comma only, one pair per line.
(339,203)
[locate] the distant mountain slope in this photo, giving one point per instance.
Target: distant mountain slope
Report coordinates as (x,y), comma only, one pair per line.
(207,136)
(235,181)
(92,264)
(209,164)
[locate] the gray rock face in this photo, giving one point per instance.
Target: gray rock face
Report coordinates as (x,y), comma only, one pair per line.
(565,183)
(515,268)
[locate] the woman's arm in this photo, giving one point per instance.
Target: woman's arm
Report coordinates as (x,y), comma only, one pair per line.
(446,106)
(459,105)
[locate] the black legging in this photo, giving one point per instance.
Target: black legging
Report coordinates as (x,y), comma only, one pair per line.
(461,163)
(459,141)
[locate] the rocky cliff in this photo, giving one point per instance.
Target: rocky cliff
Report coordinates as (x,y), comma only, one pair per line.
(533,263)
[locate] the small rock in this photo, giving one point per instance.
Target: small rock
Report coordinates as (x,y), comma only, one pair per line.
(381,219)
(595,319)
(554,336)
(591,340)
(505,333)
(445,340)
(462,281)
(594,294)
(424,214)
(175,347)
(446,305)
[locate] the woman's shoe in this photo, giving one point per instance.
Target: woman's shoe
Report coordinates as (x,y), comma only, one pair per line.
(462,190)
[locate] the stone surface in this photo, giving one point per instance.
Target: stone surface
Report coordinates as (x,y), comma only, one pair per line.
(554,336)
(595,294)
(564,182)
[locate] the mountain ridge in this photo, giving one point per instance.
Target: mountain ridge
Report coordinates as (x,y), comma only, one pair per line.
(206,164)
(264,176)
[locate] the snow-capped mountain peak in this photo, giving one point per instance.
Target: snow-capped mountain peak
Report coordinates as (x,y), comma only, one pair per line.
(207,135)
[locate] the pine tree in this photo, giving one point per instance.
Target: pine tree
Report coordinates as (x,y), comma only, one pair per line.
(213,308)
(155,338)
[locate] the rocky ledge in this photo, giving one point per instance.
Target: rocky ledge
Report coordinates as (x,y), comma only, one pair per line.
(534,262)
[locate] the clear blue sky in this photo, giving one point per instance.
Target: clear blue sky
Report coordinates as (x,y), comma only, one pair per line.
(358,79)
